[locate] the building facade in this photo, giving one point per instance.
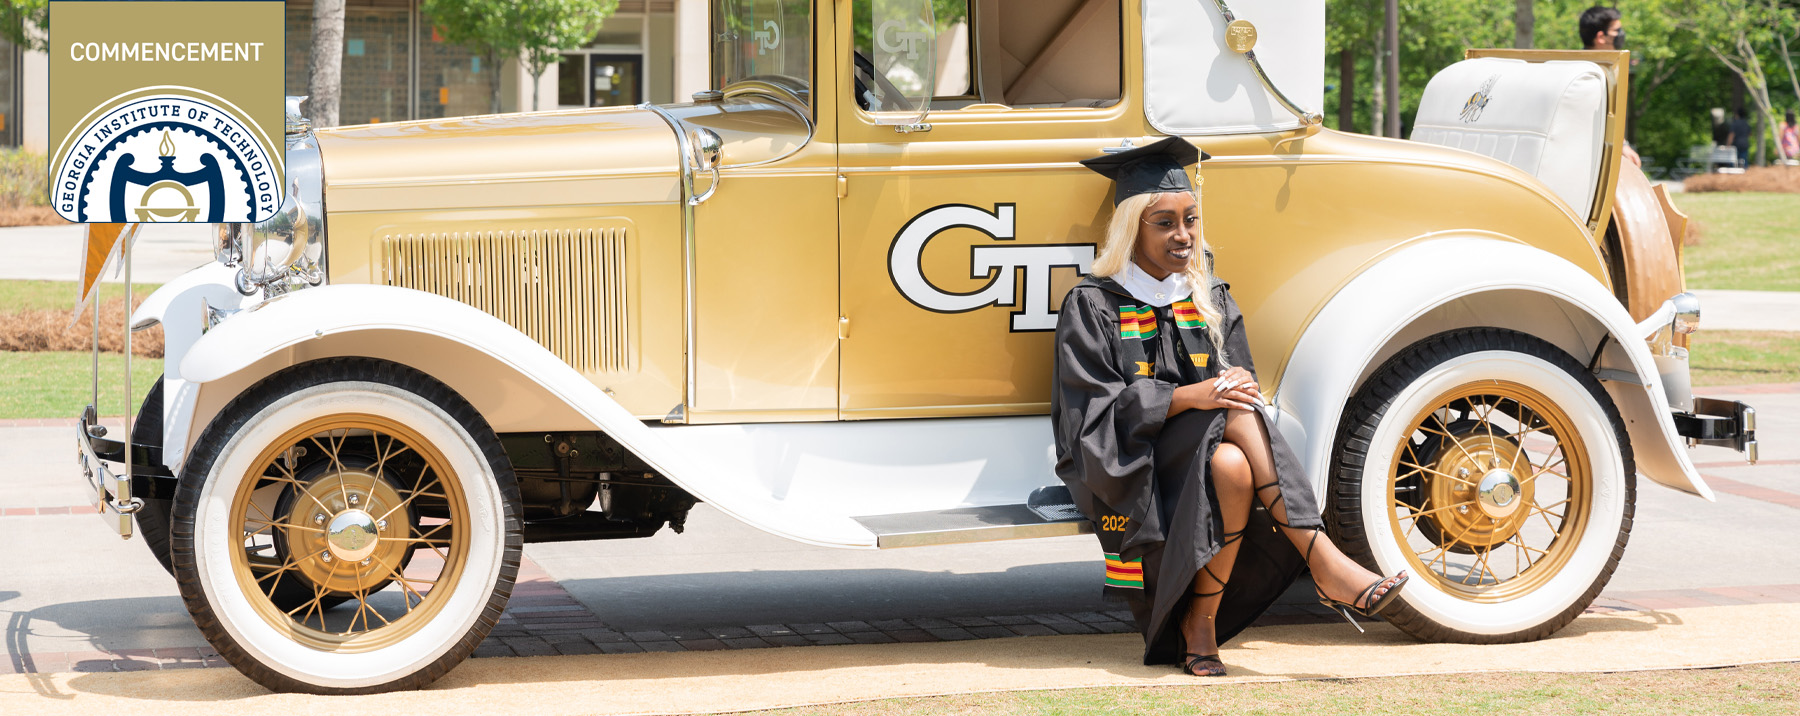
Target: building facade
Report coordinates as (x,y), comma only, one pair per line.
(397,67)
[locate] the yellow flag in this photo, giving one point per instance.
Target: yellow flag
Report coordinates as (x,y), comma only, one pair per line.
(102,244)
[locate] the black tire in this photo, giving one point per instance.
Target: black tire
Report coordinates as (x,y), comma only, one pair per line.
(153,518)
(426,652)
(1527,605)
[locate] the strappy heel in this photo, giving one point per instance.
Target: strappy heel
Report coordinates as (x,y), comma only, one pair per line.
(1393,583)
(1214,665)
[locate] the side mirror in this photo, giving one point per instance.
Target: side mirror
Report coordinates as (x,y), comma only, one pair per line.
(905,59)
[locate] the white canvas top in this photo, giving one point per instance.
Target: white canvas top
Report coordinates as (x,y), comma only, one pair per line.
(1194,84)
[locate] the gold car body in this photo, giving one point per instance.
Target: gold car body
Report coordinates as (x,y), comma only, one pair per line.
(794,315)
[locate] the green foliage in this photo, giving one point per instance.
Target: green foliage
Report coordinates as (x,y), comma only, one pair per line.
(25,23)
(534,31)
(1675,77)
(544,28)
(24,178)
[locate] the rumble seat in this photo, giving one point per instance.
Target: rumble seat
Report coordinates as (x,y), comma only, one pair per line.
(1547,118)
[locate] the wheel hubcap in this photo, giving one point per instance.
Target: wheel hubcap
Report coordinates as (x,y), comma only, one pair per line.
(1499,494)
(352,535)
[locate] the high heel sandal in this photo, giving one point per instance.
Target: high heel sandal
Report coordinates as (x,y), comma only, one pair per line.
(1214,666)
(1393,583)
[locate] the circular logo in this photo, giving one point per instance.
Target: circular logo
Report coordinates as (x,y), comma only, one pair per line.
(166,157)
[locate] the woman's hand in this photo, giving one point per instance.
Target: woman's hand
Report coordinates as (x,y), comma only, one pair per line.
(1235,388)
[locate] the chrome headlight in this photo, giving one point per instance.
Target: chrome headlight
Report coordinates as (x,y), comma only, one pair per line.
(285,252)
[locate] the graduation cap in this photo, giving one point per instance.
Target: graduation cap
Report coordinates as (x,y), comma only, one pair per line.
(1150,169)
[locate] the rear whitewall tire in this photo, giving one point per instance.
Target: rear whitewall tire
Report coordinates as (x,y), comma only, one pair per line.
(1380,418)
(223,461)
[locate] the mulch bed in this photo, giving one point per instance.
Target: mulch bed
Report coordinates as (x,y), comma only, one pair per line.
(1775,179)
(60,331)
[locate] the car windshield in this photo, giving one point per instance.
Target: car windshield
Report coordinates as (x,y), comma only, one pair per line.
(764,40)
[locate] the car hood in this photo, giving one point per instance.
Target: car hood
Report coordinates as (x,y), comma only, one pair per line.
(502,160)
(609,155)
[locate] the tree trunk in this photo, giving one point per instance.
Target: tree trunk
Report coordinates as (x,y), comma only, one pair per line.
(327,60)
(1346,90)
(1393,68)
(1524,24)
(493,60)
(1378,97)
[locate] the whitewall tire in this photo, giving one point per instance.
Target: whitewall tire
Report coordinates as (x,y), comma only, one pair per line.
(353,482)
(1494,468)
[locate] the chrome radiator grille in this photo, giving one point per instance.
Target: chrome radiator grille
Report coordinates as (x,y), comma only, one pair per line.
(565,288)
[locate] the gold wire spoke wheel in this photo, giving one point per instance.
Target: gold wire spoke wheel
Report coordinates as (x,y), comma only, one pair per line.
(1491,491)
(364,495)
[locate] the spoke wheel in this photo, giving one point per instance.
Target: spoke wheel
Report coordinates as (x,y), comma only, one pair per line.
(1490,491)
(344,530)
(1494,468)
(352,481)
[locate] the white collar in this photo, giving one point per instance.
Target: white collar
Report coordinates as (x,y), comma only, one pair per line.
(1149,290)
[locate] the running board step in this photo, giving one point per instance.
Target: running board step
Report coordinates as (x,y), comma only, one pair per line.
(1049,512)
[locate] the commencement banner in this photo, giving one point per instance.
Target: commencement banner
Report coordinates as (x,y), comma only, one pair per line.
(166,110)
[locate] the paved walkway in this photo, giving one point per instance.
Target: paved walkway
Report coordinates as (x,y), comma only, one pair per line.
(162,252)
(1749,310)
(76,599)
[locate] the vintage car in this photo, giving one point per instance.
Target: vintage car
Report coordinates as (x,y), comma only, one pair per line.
(819,297)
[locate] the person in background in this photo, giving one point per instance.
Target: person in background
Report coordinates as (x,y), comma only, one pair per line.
(1601,29)
(1790,138)
(1740,136)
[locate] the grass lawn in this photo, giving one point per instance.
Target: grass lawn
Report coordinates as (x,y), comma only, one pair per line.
(17,296)
(1748,241)
(1741,357)
(59,385)
(1762,689)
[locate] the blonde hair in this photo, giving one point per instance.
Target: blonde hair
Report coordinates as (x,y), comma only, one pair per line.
(1122,237)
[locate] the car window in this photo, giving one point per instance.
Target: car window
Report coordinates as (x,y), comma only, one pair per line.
(764,40)
(1018,53)
(873,67)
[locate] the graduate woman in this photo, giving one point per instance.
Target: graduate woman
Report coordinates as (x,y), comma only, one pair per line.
(1162,438)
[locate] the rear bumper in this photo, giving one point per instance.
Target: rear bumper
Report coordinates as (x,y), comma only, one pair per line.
(1720,423)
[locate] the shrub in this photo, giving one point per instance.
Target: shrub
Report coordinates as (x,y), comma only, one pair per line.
(23,178)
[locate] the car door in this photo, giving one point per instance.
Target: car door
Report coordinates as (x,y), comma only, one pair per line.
(958,242)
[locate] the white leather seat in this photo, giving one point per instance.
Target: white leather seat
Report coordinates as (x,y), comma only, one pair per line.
(1547,118)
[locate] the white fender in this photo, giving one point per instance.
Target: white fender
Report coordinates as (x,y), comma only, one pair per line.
(280,329)
(1411,294)
(177,305)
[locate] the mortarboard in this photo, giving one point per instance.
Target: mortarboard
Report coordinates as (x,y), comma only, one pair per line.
(1150,169)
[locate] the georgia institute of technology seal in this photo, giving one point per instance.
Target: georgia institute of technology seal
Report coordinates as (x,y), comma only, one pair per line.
(166,154)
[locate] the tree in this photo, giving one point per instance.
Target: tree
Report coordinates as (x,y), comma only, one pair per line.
(26,23)
(1736,33)
(547,27)
(325,84)
(500,29)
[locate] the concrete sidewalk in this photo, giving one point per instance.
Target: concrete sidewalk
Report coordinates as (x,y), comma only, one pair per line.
(53,253)
(1749,310)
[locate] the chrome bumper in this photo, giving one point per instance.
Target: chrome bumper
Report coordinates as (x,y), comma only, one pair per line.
(101,462)
(1720,423)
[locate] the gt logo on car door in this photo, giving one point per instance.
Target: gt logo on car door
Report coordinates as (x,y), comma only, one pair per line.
(999,264)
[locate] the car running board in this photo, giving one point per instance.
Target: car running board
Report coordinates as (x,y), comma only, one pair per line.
(1049,512)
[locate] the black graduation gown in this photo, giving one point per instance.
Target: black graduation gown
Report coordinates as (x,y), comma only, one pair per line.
(1142,476)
